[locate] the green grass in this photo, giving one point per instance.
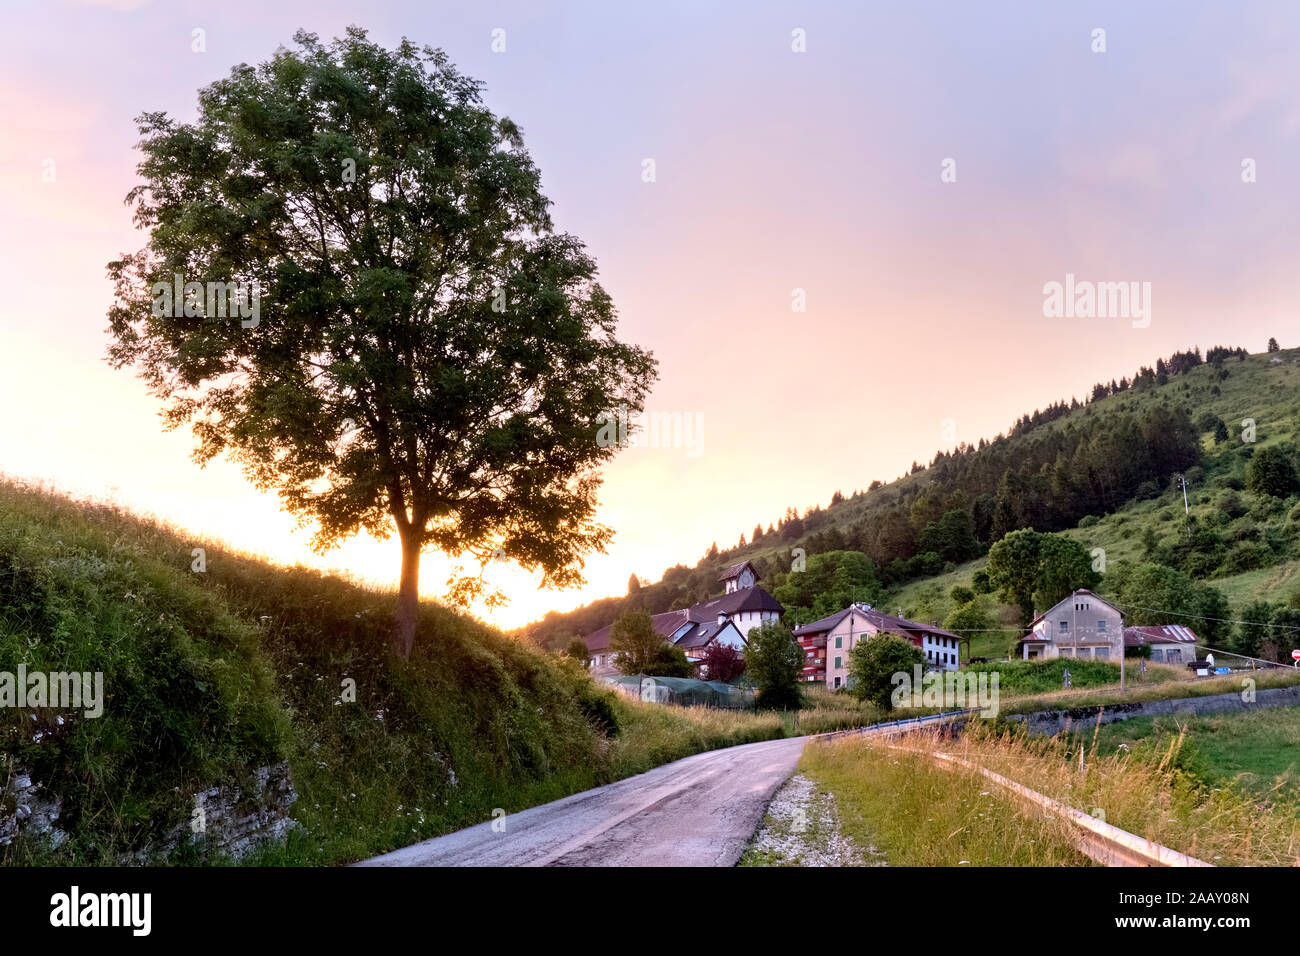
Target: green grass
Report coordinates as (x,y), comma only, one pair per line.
(1016,678)
(1258,751)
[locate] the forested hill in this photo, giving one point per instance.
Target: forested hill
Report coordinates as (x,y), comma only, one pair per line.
(1127,442)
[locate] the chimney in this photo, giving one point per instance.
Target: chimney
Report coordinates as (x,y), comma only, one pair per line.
(722,619)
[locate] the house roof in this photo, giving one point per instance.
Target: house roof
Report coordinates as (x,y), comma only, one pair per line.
(735,569)
(701,615)
(878,619)
(702,634)
(1081,592)
(745,599)
(1159,634)
(825,624)
(666,624)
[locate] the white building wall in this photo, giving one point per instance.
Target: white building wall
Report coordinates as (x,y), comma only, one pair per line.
(745,620)
(941,653)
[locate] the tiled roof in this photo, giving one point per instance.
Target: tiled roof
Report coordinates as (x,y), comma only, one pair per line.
(705,614)
(666,624)
(878,619)
(744,599)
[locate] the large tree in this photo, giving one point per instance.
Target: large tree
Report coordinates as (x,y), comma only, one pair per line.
(1013,569)
(1271,472)
(428,356)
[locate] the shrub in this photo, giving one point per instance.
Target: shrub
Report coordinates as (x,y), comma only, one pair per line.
(598,707)
(1271,472)
(774,661)
(1245,556)
(721,662)
(873,664)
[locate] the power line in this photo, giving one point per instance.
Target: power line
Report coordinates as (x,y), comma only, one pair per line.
(1202,617)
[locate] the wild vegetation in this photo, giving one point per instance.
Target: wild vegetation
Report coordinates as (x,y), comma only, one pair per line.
(1162,786)
(210,675)
(1153,791)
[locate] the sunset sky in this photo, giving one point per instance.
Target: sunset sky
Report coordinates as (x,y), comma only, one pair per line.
(775,171)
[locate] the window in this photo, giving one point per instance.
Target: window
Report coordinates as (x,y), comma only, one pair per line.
(837,665)
(837,682)
(1065,627)
(839,642)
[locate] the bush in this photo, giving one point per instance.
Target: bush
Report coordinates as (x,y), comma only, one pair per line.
(774,662)
(1271,472)
(669,661)
(1245,556)
(598,707)
(873,664)
(721,662)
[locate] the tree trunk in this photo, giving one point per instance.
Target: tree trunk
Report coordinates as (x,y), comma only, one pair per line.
(408,598)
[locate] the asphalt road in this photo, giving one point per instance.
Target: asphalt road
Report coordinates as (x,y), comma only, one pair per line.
(700,811)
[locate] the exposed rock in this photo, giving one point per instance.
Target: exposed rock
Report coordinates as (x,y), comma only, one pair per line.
(223,819)
(226,819)
(26,807)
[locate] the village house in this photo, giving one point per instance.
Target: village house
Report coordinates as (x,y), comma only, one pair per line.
(1169,643)
(1081,625)
(728,619)
(826,643)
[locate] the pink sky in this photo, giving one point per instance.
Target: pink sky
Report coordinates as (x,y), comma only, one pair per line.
(776,171)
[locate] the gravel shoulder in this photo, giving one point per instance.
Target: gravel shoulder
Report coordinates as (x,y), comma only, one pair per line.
(802,828)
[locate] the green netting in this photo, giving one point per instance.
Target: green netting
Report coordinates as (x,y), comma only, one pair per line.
(683,691)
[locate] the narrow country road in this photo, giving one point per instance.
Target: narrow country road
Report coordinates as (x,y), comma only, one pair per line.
(699,811)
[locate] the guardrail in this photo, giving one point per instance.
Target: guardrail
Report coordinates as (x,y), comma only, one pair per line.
(1096,839)
(898,726)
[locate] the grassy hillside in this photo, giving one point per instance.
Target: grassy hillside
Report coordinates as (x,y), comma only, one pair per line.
(209,676)
(1243,544)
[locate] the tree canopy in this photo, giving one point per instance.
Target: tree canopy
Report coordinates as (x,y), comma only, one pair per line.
(429,356)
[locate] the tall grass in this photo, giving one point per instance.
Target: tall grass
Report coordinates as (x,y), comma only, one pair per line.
(918,814)
(1150,791)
